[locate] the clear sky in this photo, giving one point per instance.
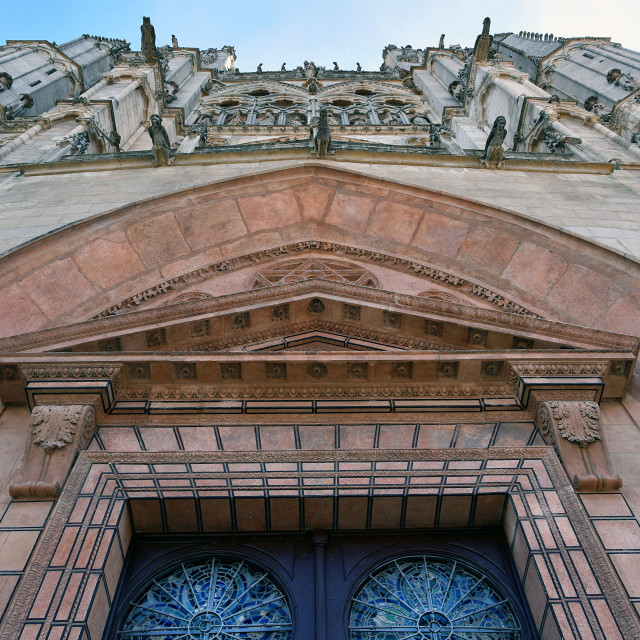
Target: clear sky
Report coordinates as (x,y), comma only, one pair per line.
(291,31)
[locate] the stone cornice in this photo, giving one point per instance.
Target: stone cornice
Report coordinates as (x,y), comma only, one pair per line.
(248,153)
(581,337)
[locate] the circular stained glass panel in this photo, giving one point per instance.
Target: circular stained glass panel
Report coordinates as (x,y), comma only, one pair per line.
(422,598)
(212,599)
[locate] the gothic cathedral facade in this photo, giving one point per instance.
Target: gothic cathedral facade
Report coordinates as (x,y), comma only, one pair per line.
(320,353)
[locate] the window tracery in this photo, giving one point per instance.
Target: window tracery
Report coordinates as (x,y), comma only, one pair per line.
(425,598)
(274,103)
(209,600)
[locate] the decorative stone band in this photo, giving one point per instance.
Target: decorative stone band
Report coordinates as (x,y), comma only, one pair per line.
(428,272)
(574,430)
(57,434)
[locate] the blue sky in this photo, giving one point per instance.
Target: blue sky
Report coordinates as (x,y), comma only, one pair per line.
(273,31)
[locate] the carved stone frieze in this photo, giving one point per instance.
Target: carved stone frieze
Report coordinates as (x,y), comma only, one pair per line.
(93,371)
(57,434)
(443,278)
(401,372)
(391,340)
(574,430)
(597,368)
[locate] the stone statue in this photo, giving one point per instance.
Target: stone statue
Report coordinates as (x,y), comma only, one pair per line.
(5,81)
(160,140)
(148,44)
(237,119)
(336,67)
(268,120)
(259,69)
(174,41)
(493,150)
(313,87)
(283,68)
(331,119)
(323,136)
(358,68)
(310,69)
(441,43)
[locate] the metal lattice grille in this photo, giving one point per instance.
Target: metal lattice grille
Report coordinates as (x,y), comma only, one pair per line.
(210,600)
(423,598)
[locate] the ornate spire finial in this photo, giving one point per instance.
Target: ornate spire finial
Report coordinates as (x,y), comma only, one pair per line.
(483,42)
(148,43)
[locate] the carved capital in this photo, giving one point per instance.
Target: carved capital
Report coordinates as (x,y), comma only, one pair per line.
(57,434)
(574,430)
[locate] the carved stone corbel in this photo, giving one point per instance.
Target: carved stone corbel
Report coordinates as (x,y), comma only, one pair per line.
(574,430)
(57,434)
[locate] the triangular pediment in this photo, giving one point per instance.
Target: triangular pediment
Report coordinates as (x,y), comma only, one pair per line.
(312,310)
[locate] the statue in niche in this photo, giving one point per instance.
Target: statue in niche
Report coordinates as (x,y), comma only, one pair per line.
(237,120)
(148,44)
(174,41)
(322,141)
(268,120)
(313,87)
(358,118)
(493,150)
(388,118)
(160,140)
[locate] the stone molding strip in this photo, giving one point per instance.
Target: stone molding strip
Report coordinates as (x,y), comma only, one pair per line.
(510,322)
(411,267)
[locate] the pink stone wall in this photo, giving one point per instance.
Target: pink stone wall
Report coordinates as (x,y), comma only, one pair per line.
(79,272)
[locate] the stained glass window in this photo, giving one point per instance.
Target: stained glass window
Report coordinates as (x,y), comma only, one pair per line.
(211,599)
(423,598)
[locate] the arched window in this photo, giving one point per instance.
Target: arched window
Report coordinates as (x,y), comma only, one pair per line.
(210,599)
(353,586)
(426,598)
